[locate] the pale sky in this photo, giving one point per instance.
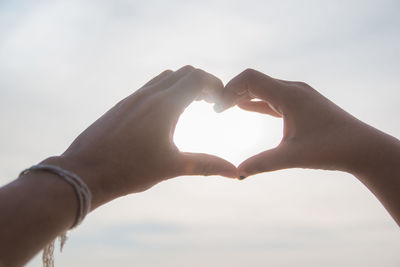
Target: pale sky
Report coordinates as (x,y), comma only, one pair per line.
(64,63)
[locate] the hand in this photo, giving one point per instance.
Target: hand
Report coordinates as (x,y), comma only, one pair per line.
(130,148)
(317,133)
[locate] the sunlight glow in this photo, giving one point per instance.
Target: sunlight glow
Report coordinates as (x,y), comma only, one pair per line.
(201,129)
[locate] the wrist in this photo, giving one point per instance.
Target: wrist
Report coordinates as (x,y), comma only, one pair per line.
(47,187)
(375,151)
(87,174)
(378,169)
(38,205)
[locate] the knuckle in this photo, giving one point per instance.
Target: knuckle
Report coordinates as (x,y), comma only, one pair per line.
(187,68)
(167,72)
(249,72)
(252,76)
(304,90)
(198,75)
(301,84)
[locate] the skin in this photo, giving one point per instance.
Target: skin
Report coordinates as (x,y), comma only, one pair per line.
(128,150)
(317,134)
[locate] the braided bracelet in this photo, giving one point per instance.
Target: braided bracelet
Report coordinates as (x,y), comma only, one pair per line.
(84,197)
(81,189)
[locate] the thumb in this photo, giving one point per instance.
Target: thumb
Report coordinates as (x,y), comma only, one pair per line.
(270,160)
(205,164)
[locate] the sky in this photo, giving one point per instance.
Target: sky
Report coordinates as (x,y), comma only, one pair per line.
(64,63)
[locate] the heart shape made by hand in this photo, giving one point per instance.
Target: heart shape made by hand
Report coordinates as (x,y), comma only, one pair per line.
(234,134)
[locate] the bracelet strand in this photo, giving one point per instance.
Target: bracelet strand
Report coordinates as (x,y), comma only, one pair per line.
(84,198)
(81,189)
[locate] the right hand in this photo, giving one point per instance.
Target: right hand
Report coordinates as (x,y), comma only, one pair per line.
(317,133)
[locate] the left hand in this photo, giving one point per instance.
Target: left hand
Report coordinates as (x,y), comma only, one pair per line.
(130,148)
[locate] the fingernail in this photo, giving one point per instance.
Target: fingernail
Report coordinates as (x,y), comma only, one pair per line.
(242,175)
(218,107)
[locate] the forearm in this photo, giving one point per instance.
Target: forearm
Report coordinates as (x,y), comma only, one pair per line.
(378,167)
(35,209)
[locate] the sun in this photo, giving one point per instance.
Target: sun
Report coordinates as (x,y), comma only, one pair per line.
(234,134)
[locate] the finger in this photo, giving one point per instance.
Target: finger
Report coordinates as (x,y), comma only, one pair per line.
(260,107)
(250,84)
(205,164)
(193,85)
(159,83)
(159,78)
(174,77)
(271,160)
(168,81)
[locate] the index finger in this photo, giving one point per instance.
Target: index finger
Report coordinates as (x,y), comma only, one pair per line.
(192,85)
(248,85)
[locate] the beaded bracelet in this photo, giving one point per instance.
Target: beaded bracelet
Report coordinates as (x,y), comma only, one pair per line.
(84,197)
